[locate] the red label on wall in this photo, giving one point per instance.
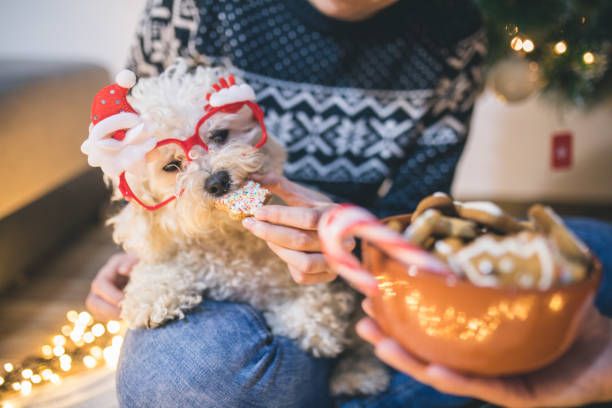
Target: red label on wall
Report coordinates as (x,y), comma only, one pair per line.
(562,151)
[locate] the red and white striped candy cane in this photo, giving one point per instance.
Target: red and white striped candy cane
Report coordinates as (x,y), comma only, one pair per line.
(344,221)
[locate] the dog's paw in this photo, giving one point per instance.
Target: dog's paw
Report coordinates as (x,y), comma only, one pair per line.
(356,375)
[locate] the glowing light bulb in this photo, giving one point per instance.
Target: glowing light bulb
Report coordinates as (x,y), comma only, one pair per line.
(8,367)
(98,329)
(588,58)
(528,45)
(47,351)
(58,351)
(516,43)
(96,352)
(113,326)
(1,380)
(89,337)
(59,340)
(560,47)
(72,316)
(89,361)
(65,362)
(16,386)
(27,373)
(36,379)
(26,388)
(55,379)
(85,318)
(46,374)
(117,341)
(111,356)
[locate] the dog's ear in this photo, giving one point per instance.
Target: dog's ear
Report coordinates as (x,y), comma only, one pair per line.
(275,154)
(140,233)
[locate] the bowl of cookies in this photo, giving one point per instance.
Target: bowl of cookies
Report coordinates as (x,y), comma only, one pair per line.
(465,285)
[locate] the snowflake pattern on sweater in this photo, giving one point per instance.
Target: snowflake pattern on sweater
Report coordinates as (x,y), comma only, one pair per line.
(374,112)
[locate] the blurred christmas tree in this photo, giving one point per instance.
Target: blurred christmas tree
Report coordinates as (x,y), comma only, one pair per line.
(565,46)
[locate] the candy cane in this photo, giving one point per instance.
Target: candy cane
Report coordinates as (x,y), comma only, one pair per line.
(344,221)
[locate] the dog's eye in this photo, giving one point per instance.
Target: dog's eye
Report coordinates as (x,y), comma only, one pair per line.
(173,166)
(219,136)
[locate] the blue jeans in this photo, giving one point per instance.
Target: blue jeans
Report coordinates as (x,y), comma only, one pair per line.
(223,355)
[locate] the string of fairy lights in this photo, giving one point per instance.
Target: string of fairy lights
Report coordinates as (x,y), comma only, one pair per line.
(81,344)
(524,44)
(562,48)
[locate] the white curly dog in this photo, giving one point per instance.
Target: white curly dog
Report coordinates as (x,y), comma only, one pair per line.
(190,250)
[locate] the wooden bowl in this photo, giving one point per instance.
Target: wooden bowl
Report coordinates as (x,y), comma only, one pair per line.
(480,330)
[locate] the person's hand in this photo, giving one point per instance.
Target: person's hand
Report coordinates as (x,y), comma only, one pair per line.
(291,231)
(106,288)
(583,375)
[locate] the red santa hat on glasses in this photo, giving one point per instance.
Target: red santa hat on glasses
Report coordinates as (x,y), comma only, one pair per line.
(117,140)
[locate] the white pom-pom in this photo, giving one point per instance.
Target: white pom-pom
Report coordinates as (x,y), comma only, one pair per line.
(125,79)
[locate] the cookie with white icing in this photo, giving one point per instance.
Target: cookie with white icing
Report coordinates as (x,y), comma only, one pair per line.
(524,260)
(243,202)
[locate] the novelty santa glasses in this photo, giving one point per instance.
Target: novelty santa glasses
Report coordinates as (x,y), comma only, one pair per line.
(118,140)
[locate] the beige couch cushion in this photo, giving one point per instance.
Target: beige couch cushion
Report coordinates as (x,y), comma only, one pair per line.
(44,116)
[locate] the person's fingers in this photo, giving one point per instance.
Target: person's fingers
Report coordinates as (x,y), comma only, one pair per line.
(494,390)
(104,287)
(366,305)
(101,309)
(368,330)
(444,379)
(291,238)
(306,263)
(109,269)
(299,217)
(393,354)
(127,263)
(310,279)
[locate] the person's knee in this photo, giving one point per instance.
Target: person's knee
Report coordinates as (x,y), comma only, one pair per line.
(221,355)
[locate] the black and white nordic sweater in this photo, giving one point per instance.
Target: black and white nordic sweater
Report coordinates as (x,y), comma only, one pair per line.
(375,112)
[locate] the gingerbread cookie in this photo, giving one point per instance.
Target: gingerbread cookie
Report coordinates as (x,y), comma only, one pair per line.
(524,260)
(455,227)
(549,223)
(243,202)
(422,227)
(489,215)
(437,201)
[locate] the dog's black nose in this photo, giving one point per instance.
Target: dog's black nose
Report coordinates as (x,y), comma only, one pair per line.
(218,183)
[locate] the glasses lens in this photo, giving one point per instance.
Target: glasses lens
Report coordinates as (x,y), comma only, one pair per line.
(239,125)
(155,182)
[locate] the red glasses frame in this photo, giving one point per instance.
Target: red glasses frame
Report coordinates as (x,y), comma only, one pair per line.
(191,142)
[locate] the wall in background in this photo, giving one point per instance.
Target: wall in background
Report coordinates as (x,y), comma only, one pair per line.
(99,31)
(507,157)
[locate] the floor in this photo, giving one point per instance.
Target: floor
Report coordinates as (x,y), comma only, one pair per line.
(35,309)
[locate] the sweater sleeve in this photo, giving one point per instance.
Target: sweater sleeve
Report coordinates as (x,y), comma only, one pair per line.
(430,161)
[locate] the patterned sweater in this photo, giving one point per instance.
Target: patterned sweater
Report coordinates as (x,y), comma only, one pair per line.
(374,112)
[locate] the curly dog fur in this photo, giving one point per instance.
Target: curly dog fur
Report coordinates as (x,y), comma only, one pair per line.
(189,249)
